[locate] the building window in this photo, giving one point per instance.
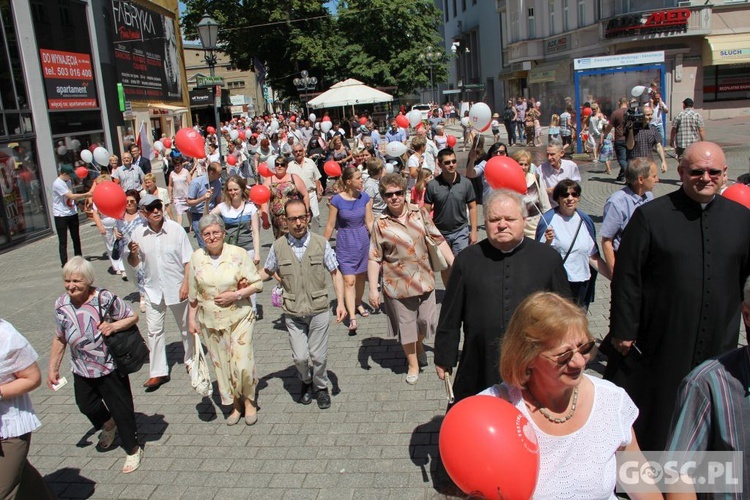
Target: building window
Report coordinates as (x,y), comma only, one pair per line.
(582,12)
(455,9)
(552,30)
(446,11)
(566,25)
(531,25)
(515,31)
(463,5)
(726,83)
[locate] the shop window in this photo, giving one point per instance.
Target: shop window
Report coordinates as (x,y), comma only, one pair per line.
(21,191)
(67,122)
(726,83)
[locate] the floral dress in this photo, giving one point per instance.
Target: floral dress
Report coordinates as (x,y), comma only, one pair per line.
(226,331)
(281,192)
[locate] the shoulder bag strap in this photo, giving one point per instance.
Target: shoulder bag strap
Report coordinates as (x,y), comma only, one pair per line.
(574,240)
(106,313)
(239,223)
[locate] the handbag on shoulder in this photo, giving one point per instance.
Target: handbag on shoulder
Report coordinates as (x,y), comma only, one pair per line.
(127,347)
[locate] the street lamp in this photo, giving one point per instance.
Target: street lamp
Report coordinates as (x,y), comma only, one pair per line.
(208,31)
(430,59)
(304,84)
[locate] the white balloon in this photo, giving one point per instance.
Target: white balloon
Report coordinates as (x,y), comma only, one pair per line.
(415,117)
(395,148)
(312,117)
(389,168)
(465,121)
(87,156)
(481,116)
(638,91)
(317,125)
(233,134)
(274,126)
(62,150)
(326,126)
(75,144)
(159,146)
(101,155)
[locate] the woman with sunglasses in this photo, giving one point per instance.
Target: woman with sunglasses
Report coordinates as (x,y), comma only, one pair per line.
(397,243)
(580,421)
(284,187)
(571,232)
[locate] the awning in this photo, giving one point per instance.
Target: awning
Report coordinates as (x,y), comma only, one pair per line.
(550,72)
(168,107)
(726,49)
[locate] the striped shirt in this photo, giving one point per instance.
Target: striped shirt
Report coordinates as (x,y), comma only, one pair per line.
(713,409)
(687,123)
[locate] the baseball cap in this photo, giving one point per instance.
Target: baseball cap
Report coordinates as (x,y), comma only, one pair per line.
(148,199)
(688,102)
(67,169)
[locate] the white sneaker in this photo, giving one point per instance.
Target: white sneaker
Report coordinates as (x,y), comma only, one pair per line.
(132,462)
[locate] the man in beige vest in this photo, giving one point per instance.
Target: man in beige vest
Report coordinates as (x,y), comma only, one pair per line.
(296,259)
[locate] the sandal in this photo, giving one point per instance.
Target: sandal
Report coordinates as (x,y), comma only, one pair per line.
(362,311)
(352,325)
(132,462)
(106,438)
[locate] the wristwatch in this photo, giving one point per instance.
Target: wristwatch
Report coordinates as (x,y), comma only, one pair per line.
(239,295)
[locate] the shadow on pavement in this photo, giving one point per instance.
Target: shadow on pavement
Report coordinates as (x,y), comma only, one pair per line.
(288,377)
(424,453)
(150,427)
(69,483)
(385,352)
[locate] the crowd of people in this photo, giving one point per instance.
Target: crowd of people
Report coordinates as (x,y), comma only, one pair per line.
(682,270)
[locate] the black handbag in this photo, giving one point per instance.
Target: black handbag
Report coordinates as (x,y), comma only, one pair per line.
(116,250)
(127,347)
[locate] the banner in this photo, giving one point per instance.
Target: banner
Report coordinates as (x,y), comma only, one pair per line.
(143,143)
(69,80)
(147,61)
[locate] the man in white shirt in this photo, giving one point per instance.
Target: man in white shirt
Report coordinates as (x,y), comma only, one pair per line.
(128,175)
(308,171)
(556,169)
(65,212)
(430,151)
(163,250)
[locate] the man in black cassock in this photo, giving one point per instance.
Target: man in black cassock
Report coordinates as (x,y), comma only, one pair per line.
(487,282)
(677,289)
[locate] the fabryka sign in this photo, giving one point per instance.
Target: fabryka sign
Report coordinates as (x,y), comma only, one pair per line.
(659,22)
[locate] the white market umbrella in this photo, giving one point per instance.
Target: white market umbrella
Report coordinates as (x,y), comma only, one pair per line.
(350,92)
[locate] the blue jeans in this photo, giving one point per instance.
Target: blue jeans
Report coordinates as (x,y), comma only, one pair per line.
(622,157)
(520,136)
(196,219)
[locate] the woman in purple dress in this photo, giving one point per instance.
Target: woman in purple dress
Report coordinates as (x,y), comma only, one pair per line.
(351,212)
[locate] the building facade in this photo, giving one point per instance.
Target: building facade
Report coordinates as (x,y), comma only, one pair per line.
(76,75)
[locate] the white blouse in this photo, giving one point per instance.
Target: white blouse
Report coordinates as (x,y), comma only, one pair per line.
(581,464)
(17,415)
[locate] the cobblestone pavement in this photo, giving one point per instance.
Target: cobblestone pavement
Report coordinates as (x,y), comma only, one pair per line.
(378,440)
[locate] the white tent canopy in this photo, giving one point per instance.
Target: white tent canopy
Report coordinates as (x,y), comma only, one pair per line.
(350,92)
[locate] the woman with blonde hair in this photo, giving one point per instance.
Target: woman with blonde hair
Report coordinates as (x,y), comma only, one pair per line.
(149,182)
(535,199)
(580,421)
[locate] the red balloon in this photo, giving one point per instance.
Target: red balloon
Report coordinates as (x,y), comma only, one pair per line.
(189,142)
(326,118)
(488,447)
(82,172)
(451,141)
(332,168)
(505,172)
(264,170)
(232,160)
(402,121)
(586,112)
(242,135)
(167,142)
(93,146)
(260,194)
(110,199)
(363,120)
(210,130)
(293,118)
(739,193)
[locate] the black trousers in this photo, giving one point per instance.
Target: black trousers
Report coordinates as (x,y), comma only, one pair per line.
(108,397)
(62,226)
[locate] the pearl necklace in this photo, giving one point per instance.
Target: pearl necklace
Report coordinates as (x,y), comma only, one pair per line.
(546,414)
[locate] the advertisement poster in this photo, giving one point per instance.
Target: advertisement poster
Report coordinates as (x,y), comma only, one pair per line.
(147,61)
(68,79)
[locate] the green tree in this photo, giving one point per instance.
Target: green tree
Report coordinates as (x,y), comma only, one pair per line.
(376,41)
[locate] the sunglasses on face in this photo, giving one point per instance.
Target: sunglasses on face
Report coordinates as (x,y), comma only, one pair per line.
(449,162)
(698,172)
(564,358)
(394,193)
(279,165)
(569,194)
(153,208)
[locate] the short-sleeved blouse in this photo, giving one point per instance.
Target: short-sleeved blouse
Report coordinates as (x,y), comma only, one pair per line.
(581,464)
(207,281)
(402,251)
(238,220)
(78,328)
(17,415)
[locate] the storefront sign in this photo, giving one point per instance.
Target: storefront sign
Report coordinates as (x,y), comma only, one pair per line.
(201,98)
(146,57)
(208,81)
(659,22)
(581,63)
(557,45)
(68,79)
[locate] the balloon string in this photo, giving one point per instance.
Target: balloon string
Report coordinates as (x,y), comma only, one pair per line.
(541,218)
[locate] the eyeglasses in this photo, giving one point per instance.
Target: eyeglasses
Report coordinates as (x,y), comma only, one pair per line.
(212,234)
(449,162)
(699,172)
(564,358)
(280,165)
(569,194)
(299,218)
(154,208)
(393,193)
(130,202)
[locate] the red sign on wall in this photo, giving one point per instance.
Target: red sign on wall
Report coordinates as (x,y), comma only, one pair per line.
(69,80)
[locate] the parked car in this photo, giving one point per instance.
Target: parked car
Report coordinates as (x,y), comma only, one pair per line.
(424,109)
